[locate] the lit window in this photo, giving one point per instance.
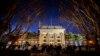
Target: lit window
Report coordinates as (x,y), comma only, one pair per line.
(44,40)
(44,36)
(51,36)
(58,37)
(51,41)
(58,40)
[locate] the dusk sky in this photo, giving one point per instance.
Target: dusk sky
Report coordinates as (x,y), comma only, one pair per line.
(44,11)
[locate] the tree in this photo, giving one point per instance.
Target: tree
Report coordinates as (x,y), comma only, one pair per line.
(77,37)
(85,16)
(71,35)
(31,35)
(21,27)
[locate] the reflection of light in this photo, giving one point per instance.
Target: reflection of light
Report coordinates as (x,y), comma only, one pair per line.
(19,42)
(16,42)
(90,41)
(32,42)
(9,42)
(7,47)
(23,41)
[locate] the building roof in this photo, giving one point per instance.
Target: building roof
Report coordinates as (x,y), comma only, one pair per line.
(51,27)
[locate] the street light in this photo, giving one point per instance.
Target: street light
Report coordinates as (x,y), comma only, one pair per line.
(90,42)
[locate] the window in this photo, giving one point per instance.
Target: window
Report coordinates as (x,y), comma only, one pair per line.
(61,33)
(51,40)
(44,40)
(44,36)
(58,40)
(51,36)
(58,37)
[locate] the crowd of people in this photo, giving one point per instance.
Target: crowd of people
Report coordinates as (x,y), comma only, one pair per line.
(53,50)
(26,50)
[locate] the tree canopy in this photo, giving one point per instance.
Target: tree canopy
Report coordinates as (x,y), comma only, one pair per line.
(76,36)
(31,35)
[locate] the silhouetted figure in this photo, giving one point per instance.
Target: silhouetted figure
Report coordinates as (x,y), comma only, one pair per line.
(58,49)
(39,50)
(34,48)
(48,49)
(70,50)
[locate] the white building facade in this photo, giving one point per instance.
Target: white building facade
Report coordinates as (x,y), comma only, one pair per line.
(52,35)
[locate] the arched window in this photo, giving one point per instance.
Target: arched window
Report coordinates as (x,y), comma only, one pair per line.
(58,40)
(44,36)
(44,40)
(58,37)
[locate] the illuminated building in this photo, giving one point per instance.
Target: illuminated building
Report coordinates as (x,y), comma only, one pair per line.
(52,35)
(23,39)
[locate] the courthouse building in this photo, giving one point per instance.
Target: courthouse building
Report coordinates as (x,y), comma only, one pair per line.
(51,35)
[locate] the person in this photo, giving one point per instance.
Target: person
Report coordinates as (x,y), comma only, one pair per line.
(34,48)
(58,49)
(39,49)
(70,50)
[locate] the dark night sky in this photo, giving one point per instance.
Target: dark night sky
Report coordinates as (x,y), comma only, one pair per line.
(48,9)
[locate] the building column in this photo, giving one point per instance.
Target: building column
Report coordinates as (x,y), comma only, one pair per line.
(54,38)
(40,39)
(48,38)
(61,39)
